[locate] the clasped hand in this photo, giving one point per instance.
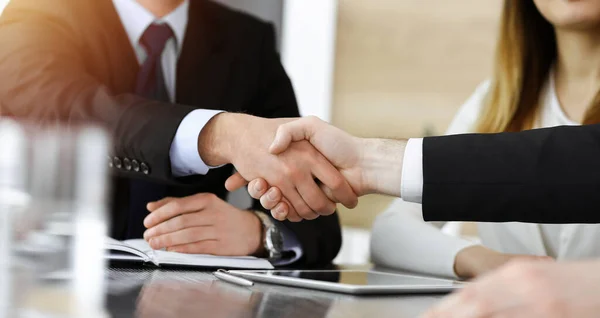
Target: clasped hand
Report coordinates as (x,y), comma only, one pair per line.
(327,145)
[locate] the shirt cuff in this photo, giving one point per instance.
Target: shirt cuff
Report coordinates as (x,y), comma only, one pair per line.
(185,159)
(291,246)
(411,188)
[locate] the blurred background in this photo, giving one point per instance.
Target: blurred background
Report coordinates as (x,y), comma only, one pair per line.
(380,68)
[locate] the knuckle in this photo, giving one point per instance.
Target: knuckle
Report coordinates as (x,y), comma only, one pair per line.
(176,206)
(183,221)
(337,183)
(193,234)
(159,242)
(306,213)
(288,170)
(209,196)
(322,207)
(176,223)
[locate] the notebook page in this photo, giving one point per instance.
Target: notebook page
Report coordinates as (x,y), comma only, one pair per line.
(115,245)
(200,260)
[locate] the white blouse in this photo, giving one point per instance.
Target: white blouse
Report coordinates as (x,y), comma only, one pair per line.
(401,239)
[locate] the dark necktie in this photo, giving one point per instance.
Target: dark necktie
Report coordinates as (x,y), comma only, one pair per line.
(150,84)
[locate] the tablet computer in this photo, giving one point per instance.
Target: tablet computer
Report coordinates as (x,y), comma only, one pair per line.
(353,282)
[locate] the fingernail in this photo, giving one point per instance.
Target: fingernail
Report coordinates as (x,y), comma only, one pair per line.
(148,234)
(271,195)
(278,211)
(258,186)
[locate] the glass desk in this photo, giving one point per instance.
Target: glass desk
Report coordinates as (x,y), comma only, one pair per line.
(165,293)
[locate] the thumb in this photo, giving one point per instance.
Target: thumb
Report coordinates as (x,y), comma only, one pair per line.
(235,182)
(297,130)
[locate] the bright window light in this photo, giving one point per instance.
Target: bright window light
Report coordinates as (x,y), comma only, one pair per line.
(3,4)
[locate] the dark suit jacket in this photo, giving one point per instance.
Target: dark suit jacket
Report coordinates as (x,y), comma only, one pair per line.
(541,176)
(66,60)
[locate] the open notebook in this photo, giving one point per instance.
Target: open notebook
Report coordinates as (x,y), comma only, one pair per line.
(140,251)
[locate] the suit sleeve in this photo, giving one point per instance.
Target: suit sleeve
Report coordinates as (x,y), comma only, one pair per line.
(320,239)
(540,176)
(44,81)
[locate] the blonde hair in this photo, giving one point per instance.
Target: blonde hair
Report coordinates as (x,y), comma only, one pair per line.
(525,53)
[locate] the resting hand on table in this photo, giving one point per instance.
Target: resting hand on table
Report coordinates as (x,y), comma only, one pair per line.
(294,172)
(203,224)
(476,260)
(528,290)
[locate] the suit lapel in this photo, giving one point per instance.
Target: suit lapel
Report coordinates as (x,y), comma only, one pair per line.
(124,65)
(203,66)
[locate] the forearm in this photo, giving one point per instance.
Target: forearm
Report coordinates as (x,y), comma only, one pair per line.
(531,176)
(381,165)
(402,240)
(215,145)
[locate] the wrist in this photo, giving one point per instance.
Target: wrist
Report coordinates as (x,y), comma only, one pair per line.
(381,165)
(259,246)
(216,142)
(471,261)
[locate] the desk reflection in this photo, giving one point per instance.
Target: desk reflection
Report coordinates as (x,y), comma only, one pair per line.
(149,294)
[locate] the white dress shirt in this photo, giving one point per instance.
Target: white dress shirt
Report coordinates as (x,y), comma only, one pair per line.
(401,238)
(185,159)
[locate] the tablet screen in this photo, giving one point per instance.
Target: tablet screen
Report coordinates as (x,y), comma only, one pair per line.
(360,278)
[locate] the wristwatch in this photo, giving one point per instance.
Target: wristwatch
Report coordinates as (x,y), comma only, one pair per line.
(272,237)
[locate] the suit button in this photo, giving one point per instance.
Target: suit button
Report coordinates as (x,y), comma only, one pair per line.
(135,165)
(127,164)
(110,162)
(145,168)
(117,162)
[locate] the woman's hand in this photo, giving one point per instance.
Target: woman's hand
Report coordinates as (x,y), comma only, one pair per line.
(203,224)
(476,260)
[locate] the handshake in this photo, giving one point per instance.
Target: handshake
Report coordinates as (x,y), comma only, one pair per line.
(300,168)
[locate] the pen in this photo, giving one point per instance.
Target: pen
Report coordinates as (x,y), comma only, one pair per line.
(226,277)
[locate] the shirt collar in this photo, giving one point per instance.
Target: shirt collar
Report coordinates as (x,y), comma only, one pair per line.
(136,19)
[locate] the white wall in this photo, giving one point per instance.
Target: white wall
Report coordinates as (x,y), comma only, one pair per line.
(308,49)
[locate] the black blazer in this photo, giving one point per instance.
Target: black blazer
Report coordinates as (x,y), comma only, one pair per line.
(72,60)
(541,176)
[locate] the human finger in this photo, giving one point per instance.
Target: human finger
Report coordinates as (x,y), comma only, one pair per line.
(257,188)
(342,192)
(179,206)
(235,182)
(157,204)
(178,223)
(185,236)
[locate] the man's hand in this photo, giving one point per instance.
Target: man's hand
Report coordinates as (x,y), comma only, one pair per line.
(477,260)
(244,141)
(369,165)
(203,224)
(528,290)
